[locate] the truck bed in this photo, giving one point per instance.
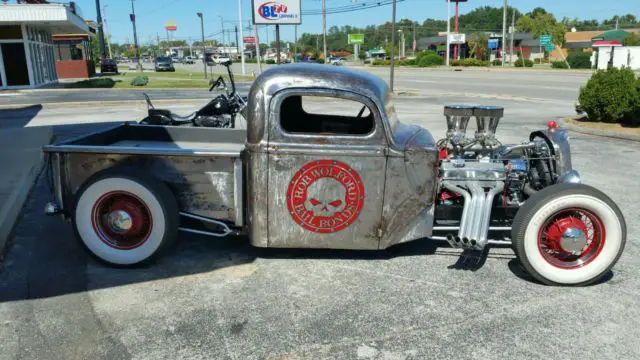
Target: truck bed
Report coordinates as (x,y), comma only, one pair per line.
(154,140)
(202,166)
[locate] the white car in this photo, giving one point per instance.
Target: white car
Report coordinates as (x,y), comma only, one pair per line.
(220,58)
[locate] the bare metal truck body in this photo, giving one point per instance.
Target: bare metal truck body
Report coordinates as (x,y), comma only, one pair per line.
(300,180)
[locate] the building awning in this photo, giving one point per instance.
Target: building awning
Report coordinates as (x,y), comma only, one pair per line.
(613,35)
(56,18)
(578,45)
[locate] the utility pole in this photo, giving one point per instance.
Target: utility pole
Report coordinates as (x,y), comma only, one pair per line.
(278,44)
(324,27)
(393,44)
(295,44)
(241,36)
(132,16)
(255,33)
(504,30)
(448,51)
(204,48)
(513,33)
(222,28)
(413,45)
(100,30)
(104,11)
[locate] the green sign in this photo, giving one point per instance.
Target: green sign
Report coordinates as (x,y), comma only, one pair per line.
(356,38)
(545,40)
(549,47)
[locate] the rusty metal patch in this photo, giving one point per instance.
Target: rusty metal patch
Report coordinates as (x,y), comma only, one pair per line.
(325,196)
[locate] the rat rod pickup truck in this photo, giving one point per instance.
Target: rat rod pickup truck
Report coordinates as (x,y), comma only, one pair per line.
(297,178)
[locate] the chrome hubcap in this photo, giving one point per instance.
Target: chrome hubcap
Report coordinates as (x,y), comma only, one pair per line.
(573,240)
(119,221)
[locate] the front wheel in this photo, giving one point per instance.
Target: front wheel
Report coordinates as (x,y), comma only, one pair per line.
(569,235)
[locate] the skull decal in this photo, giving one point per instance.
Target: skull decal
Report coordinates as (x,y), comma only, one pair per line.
(325,196)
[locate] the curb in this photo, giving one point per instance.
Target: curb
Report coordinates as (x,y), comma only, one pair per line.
(12,208)
(598,132)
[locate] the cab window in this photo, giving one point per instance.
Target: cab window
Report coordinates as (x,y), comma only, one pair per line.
(325,115)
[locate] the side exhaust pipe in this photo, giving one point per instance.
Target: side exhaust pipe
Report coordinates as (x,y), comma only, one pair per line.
(486,219)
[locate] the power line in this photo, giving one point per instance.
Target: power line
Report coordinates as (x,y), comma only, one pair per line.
(351,7)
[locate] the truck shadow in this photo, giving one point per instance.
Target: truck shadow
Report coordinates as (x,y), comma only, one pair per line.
(19,116)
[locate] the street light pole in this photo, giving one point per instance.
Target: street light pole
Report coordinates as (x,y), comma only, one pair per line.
(448,54)
(504,31)
(100,30)
(393,44)
(324,27)
(241,40)
(132,16)
(204,48)
(104,11)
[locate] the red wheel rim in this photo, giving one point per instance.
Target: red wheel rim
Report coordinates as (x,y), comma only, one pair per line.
(571,238)
(122,220)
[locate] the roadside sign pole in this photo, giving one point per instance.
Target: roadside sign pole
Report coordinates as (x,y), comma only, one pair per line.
(504,31)
(241,47)
(448,31)
(324,28)
(255,33)
(278,44)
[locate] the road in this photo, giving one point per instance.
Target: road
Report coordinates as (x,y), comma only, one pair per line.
(222,299)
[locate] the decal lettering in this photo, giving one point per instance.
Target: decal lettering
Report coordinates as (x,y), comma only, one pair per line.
(325,196)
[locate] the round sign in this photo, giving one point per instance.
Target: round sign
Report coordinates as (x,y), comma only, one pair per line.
(325,196)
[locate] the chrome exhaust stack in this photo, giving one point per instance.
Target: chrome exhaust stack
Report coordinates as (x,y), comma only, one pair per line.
(487,119)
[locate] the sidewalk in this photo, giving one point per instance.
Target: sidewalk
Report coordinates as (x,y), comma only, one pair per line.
(21,160)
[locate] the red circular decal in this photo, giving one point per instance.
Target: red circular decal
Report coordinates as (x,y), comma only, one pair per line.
(325,196)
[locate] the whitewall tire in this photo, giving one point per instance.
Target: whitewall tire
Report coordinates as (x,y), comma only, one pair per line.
(124,218)
(569,234)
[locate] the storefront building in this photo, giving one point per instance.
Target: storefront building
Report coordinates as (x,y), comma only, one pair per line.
(27,55)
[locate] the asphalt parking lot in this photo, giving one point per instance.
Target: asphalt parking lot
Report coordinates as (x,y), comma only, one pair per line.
(222,299)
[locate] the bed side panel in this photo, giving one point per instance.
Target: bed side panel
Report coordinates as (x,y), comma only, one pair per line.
(203,185)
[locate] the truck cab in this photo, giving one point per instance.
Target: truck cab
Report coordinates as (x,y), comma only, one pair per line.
(349,178)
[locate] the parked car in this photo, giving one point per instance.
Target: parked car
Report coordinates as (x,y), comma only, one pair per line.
(337,61)
(189,60)
(296,178)
(164,63)
(108,66)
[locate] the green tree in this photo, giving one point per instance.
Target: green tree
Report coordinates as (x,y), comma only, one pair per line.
(479,45)
(543,24)
(632,40)
(484,18)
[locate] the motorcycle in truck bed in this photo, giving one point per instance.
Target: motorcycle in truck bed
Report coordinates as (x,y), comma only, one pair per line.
(303,179)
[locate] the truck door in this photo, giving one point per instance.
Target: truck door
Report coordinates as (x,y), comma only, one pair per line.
(327,168)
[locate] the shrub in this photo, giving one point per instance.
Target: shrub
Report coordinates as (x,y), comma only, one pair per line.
(523,63)
(140,80)
(496,63)
(559,65)
(93,83)
(408,62)
(611,96)
(367,61)
(579,60)
(469,62)
(270,61)
(422,54)
(381,62)
(429,60)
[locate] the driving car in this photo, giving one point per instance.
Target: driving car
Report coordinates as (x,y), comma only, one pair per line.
(164,63)
(108,66)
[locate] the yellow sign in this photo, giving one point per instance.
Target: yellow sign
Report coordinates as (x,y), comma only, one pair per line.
(170,25)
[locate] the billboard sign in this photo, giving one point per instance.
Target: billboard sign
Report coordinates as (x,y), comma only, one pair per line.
(171,25)
(276,12)
(249,39)
(355,38)
(457,38)
(493,43)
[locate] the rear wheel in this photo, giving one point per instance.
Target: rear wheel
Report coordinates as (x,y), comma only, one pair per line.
(569,234)
(124,218)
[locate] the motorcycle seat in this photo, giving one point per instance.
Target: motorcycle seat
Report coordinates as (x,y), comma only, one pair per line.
(189,117)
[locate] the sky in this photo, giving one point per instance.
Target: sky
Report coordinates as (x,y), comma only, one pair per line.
(151,15)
